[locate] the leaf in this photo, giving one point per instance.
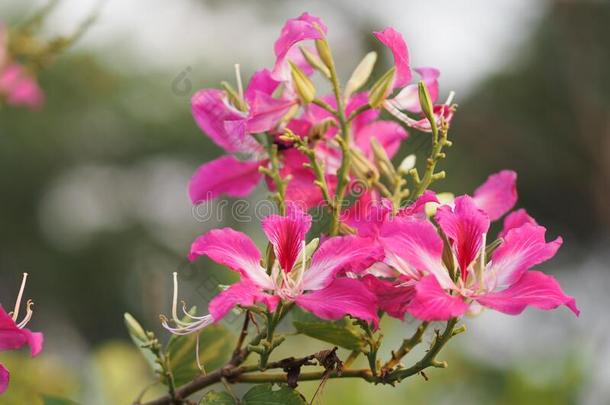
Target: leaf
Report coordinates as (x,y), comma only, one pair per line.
(341,333)
(215,347)
(52,400)
(217,398)
(265,395)
(139,338)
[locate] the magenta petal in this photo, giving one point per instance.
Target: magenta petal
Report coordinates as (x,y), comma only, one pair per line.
(394,40)
(287,235)
(340,253)
(432,303)
(516,219)
(533,288)
(5,377)
(392,298)
(523,248)
(389,134)
(225,175)
(266,112)
(19,87)
(498,194)
(418,207)
(12,337)
(234,250)
(344,296)
(464,225)
(356,101)
(261,82)
(367,214)
(244,293)
(408,97)
(294,31)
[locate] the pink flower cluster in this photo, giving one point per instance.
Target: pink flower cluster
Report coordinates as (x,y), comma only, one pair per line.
(432,266)
(17,86)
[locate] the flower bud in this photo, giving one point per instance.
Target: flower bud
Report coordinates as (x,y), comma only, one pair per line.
(302,84)
(315,62)
(425,101)
(361,74)
(324,52)
(382,88)
(135,329)
(407,164)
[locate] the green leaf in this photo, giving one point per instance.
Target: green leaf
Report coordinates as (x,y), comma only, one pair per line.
(217,398)
(265,395)
(139,338)
(51,400)
(342,333)
(215,347)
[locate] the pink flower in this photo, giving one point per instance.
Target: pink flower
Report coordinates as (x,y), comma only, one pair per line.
(231,129)
(313,284)
(504,283)
(394,40)
(13,334)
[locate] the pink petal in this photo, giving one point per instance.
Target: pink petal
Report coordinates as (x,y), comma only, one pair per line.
(340,253)
(262,82)
(244,293)
(516,219)
(12,337)
(287,235)
(234,250)
(408,97)
(19,87)
(4,378)
(356,101)
(464,225)
(416,244)
(344,296)
(533,288)
(418,207)
(393,298)
(211,111)
(523,248)
(498,194)
(432,303)
(394,40)
(294,31)
(367,214)
(225,175)
(388,133)
(266,112)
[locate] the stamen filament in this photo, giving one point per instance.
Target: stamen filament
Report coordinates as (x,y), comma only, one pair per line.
(240,87)
(19,297)
(450,98)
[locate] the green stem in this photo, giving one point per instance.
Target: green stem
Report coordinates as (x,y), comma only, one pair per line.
(406,346)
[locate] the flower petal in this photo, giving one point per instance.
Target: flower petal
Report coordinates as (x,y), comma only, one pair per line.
(408,97)
(389,134)
(262,82)
(266,112)
(367,214)
(234,250)
(392,298)
(394,40)
(418,207)
(225,175)
(523,248)
(12,337)
(294,31)
(344,296)
(516,219)
(432,303)
(244,293)
(287,235)
(340,253)
(498,194)
(533,288)
(416,244)
(464,225)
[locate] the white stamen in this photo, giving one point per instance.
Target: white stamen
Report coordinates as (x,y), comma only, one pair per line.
(175,298)
(450,98)
(19,297)
(482,260)
(28,315)
(199,365)
(240,87)
(184,328)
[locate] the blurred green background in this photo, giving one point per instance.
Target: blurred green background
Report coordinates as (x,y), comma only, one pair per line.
(93,187)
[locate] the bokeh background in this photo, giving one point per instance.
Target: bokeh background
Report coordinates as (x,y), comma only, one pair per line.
(93,200)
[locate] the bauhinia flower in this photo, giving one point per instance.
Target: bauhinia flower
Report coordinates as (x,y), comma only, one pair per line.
(447,288)
(313,283)
(17,86)
(14,335)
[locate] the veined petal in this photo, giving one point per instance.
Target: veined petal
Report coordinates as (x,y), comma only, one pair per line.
(261,82)
(5,377)
(393,298)
(225,175)
(516,219)
(417,243)
(533,288)
(244,293)
(389,134)
(394,40)
(523,248)
(287,235)
(498,194)
(408,97)
(340,253)
(464,225)
(234,250)
(344,296)
(294,31)
(266,112)
(432,303)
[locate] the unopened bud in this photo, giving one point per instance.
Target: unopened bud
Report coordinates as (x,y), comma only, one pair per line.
(315,61)
(382,88)
(407,164)
(325,53)
(426,102)
(134,328)
(361,74)
(302,84)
